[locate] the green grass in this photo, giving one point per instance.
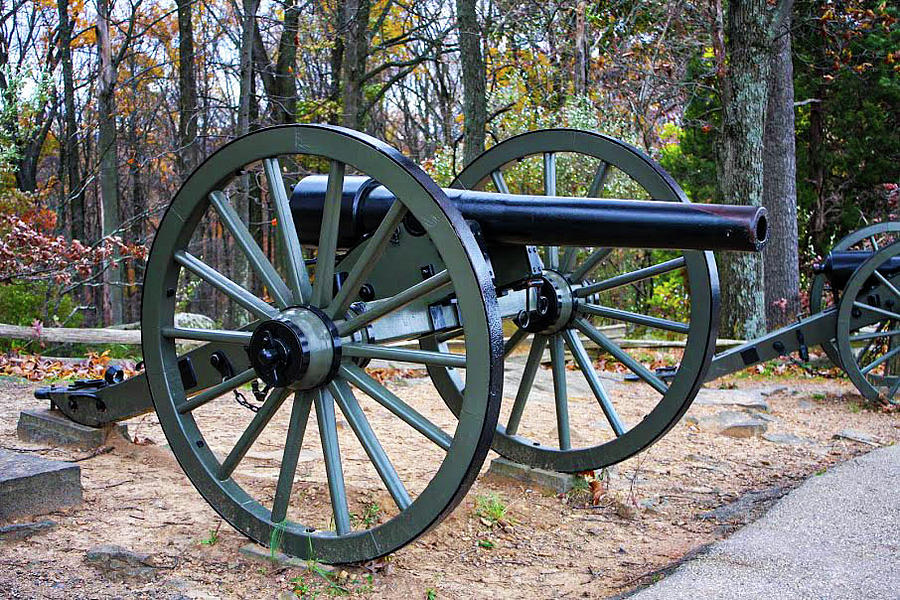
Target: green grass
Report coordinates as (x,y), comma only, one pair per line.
(213,538)
(369,516)
(491,508)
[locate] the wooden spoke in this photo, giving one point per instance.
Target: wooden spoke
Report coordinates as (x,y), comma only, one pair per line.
(513,342)
(558,365)
(333,469)
(298,277)
(343,395)
(202,270)
(631,317)
(255,256)
(425,357)
(398,407)
(328,236)
(587,369)
(620,355)
(207,335)
(396,302)
(296,432)
(590,263)
(633,277)
(531,366)
(217,390)
(367,260)
(257,424)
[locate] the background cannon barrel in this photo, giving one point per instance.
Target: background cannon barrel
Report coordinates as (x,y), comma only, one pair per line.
(546,220)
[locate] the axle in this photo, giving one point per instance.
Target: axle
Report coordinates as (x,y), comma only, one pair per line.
(545,220)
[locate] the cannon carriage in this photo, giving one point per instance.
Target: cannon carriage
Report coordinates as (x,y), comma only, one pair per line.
(376,262)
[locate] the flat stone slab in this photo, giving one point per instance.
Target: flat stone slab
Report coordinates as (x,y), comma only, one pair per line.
(52,427)
(743,398)
(856,436)
(31,485)
(263,554)
(558,483)
(834,537)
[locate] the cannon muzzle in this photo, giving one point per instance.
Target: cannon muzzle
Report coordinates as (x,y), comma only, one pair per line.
(546,220)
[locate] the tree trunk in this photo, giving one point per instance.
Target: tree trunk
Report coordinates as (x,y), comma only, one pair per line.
(337,62)
(285,78)
(356,53)
(187,156)
(580,79)
(108,149)
(70,143)
(240,269)
(781,256)
(739,159)
(473,78)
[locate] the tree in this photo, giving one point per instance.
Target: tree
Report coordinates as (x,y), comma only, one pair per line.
(356,52)
(473,78)
(108,142)
(742,51)
(781,257)
(187,155)
(70,151)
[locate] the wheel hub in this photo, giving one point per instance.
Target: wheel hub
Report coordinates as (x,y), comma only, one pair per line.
(299,349)
(554,308)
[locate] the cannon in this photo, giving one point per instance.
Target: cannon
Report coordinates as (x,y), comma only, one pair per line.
(375,262)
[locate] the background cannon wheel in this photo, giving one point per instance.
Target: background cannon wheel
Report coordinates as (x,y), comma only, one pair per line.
(271,305)
(632,416)
(869,355)
(822,297)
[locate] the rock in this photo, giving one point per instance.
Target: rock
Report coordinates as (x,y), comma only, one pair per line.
(743,398)
(772,390)
(626,510)
(764,416)
(558,483)
(21,531)
(120,564)
(31,485)
(740,509)
(856,436)
(52,427)
(652,505)
(194,321)
(263,554)
(733,423)
(788,439)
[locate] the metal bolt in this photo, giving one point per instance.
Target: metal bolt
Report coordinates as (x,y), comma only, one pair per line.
(367,292)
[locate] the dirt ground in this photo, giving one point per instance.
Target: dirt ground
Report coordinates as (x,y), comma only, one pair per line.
(650,511)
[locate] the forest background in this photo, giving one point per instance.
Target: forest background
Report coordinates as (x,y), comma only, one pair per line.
(106,106)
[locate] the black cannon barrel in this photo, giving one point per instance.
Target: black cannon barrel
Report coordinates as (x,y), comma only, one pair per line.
(547,220)
(838,266)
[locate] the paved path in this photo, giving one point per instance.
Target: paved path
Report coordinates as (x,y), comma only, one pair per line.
(836,536)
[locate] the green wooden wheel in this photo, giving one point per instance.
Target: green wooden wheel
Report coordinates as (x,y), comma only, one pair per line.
(868,328)
(304,342)
(822,297)
(596,284)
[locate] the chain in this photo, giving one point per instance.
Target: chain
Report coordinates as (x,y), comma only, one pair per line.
(260,396)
